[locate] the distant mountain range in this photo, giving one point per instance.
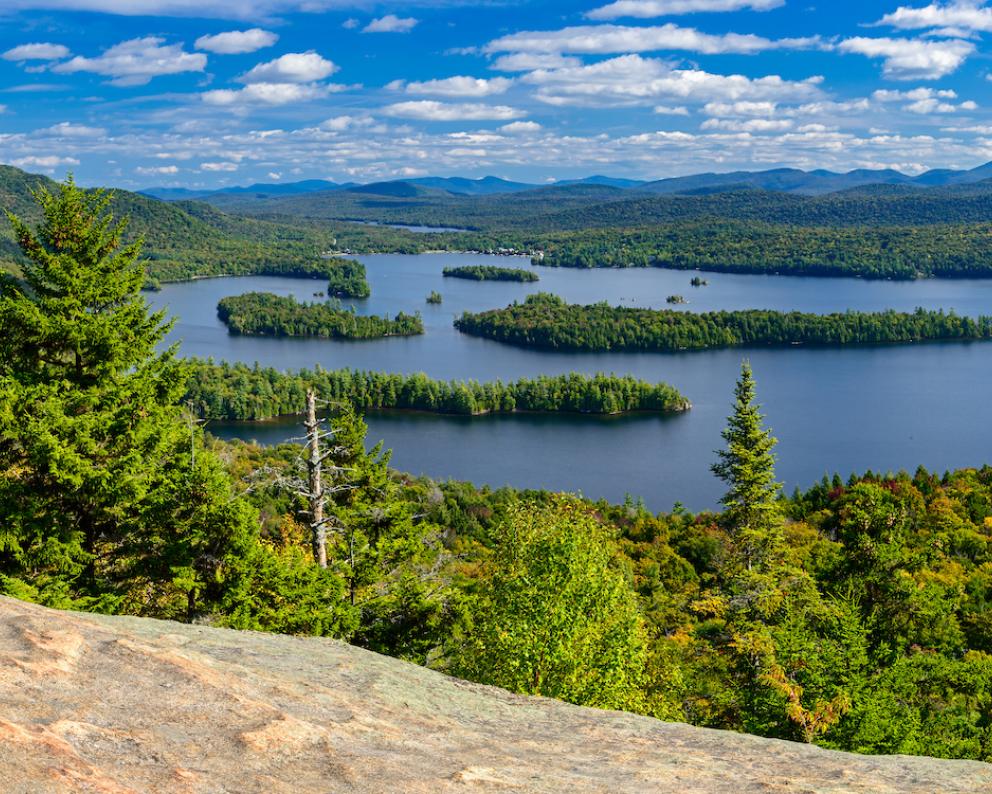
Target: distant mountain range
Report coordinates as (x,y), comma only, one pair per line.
(785,180)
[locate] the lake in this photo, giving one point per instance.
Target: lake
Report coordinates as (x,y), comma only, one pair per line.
(844,410)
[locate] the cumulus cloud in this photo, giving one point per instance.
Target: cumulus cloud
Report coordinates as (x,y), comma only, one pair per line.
(157,170)
(912,59)
(430,110)
(342,123)
(668,110)
(521,127)
(529,61)
(294,67)
(961,15)
(48,162)
(740,108)
(136,61)
(661,8)
(461,86)
(269,94)
(66,129)
(40,51)
(235,42)
(390,24)
(747,125)
(925,100)
(607,39)
(218,166)
(214,9)
(632,79)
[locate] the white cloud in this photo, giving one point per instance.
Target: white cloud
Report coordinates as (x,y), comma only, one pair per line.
(660,8)
(157,170)
(40,51)
(66,129)
(350,24)
(748,125)
(740,108)
(429,110)
(274,175)
(461,86)
(269,94)
(390,24)
(235,42)
(668,110)
(213,9)
(218,166)
(529,61)
(342,123)
(606,39)
(885,95)
(912,59)
(45,162)
(963,15)
(632,80)
(294,67)
(520,127)
(925,100)
(136,61)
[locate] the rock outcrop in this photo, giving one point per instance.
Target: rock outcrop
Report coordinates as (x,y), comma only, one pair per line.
(111,704)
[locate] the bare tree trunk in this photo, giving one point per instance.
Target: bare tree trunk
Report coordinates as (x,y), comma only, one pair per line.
(315,495)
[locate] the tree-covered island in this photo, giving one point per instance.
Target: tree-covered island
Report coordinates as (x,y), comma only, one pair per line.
(265,314)
(239,391)
(547,321)
(491,273)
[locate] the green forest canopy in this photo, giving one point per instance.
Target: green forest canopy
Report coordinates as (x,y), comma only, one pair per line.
(265,314)
(547,321)
(238,391)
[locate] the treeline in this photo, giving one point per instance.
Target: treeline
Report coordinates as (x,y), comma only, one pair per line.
(238,391)
(946,251)
(491,273)
(348,280)
(547,321)
(265,314)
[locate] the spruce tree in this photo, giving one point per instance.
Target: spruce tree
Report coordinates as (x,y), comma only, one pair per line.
(752,516)
(102,499)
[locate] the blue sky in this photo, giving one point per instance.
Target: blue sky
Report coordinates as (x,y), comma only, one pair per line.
(206,93)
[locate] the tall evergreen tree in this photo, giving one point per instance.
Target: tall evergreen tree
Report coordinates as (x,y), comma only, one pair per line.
(102,496)
(747,466)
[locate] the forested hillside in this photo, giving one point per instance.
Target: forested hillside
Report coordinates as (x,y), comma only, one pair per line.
(185,240)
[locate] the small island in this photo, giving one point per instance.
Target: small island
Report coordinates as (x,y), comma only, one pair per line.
(348,280)
(547,321)
(677,299)
(265,314)
(434,297)
(696,281)
(491,273)
(242,392)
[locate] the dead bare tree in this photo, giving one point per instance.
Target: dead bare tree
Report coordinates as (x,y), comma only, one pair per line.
(315,482)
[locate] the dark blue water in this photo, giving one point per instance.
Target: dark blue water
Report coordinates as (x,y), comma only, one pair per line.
(845,410)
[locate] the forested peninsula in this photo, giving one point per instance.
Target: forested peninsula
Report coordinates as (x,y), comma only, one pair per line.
(265,314)
(491,273)
(892,252)
(547,321)
(347,279)
(238,391)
